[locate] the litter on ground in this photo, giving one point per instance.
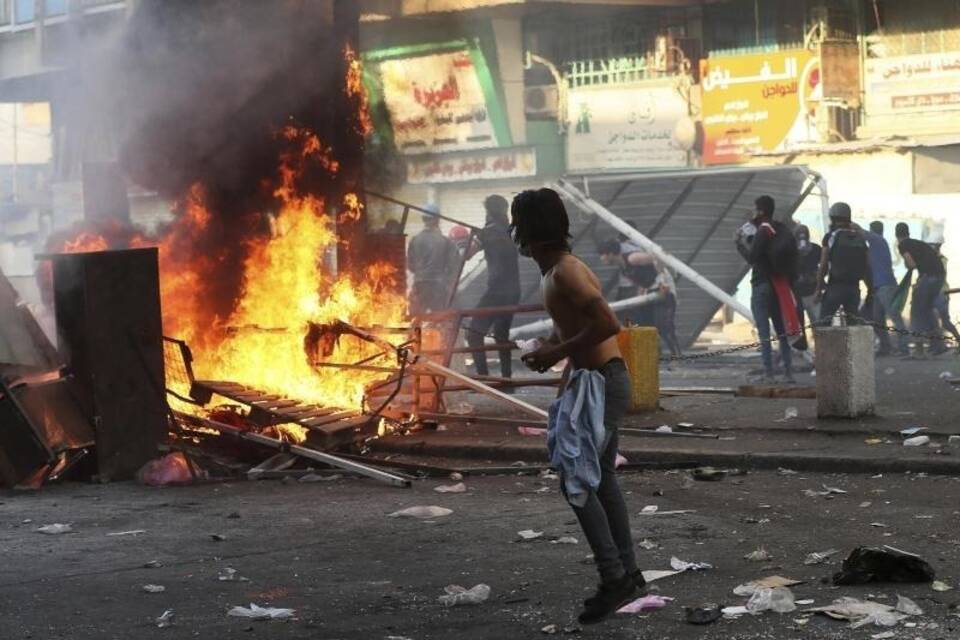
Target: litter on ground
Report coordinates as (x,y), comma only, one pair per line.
(455,595)
(255,612)
(421,512)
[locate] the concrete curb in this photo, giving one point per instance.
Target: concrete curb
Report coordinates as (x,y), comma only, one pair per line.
(818,462)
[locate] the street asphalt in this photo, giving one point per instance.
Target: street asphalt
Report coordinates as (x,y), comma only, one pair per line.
(329,551)
(754,433)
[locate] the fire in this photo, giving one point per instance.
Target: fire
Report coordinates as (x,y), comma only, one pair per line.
(86,241)
(356,90)
(287,283)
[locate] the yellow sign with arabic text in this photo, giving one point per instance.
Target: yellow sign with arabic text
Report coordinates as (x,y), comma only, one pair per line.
(759,102)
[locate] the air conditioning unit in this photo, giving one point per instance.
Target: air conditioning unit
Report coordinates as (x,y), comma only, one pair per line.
(837,123)
(541,102)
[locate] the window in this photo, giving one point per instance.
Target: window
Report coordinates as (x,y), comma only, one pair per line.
(4,12)
(56,7)
(23,11)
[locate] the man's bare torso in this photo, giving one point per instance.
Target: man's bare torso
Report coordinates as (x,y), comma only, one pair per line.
(568,321)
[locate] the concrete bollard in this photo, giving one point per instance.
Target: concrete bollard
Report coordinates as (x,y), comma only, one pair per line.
(640,348)
(846,384)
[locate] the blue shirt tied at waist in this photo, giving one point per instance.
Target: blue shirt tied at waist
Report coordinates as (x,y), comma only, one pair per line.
(576,435)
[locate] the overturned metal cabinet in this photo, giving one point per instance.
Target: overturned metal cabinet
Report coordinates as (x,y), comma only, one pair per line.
(110,334)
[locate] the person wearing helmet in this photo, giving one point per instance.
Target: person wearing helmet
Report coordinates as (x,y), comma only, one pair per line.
(844,263)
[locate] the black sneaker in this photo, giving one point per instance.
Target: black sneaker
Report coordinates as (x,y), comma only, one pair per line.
(610,597)
(637,580)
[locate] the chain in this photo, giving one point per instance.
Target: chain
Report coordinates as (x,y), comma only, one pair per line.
(904,332)
(859,319)
(736,349)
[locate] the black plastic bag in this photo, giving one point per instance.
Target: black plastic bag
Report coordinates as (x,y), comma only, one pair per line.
(871,564)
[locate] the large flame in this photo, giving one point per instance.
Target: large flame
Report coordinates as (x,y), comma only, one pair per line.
(287,279)
(287,283)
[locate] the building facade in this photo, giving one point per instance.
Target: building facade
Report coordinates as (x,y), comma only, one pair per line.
(865,93)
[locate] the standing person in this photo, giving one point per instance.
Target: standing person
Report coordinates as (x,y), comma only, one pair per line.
(844,263)
(637,275)
(808,265)
(503,285)
(432,258)
(942,302)
(585,331)
(756,243)
(921,256)
(884,291)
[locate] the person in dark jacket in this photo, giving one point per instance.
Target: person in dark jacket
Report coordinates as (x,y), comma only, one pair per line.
(753,241)
(805,284)
(433,259)
(844,263)
(503,286)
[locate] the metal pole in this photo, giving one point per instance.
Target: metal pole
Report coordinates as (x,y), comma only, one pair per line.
(16,107)
(543,326)
(304,452)
(682,268)
(440,370)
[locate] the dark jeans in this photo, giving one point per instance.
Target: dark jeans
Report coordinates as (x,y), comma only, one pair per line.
(766,309)
(883,308)
(480,326)
(604,518)
(427,296)
(942,305)
(925,293)
(665,313)
(837,295)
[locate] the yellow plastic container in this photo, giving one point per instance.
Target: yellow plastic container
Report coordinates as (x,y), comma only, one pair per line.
(641,351)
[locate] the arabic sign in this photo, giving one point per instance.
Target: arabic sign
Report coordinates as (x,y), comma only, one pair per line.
(913,84)
(754,103)
(437,103)
(479,165)
(625,127)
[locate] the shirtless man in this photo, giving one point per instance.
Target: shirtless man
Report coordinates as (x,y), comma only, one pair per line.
(585,332)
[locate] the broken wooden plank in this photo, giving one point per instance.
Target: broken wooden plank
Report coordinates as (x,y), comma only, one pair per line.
(333,417)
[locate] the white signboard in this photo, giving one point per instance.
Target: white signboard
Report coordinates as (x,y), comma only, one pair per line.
(31,144)
(625,127)
(913,84)
(480,165)
(436,103)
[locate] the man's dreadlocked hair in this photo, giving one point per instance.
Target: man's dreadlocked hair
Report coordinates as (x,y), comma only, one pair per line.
(539,218)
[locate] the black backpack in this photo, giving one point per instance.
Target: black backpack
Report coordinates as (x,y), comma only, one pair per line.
(848,256)
(782,251)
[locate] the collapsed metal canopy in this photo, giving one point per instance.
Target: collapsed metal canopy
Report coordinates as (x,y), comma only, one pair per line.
(692,214)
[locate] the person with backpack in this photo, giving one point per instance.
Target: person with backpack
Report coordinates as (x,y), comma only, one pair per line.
(771,250)
(845,262)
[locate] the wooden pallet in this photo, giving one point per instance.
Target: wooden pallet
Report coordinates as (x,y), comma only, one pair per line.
(328,427)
